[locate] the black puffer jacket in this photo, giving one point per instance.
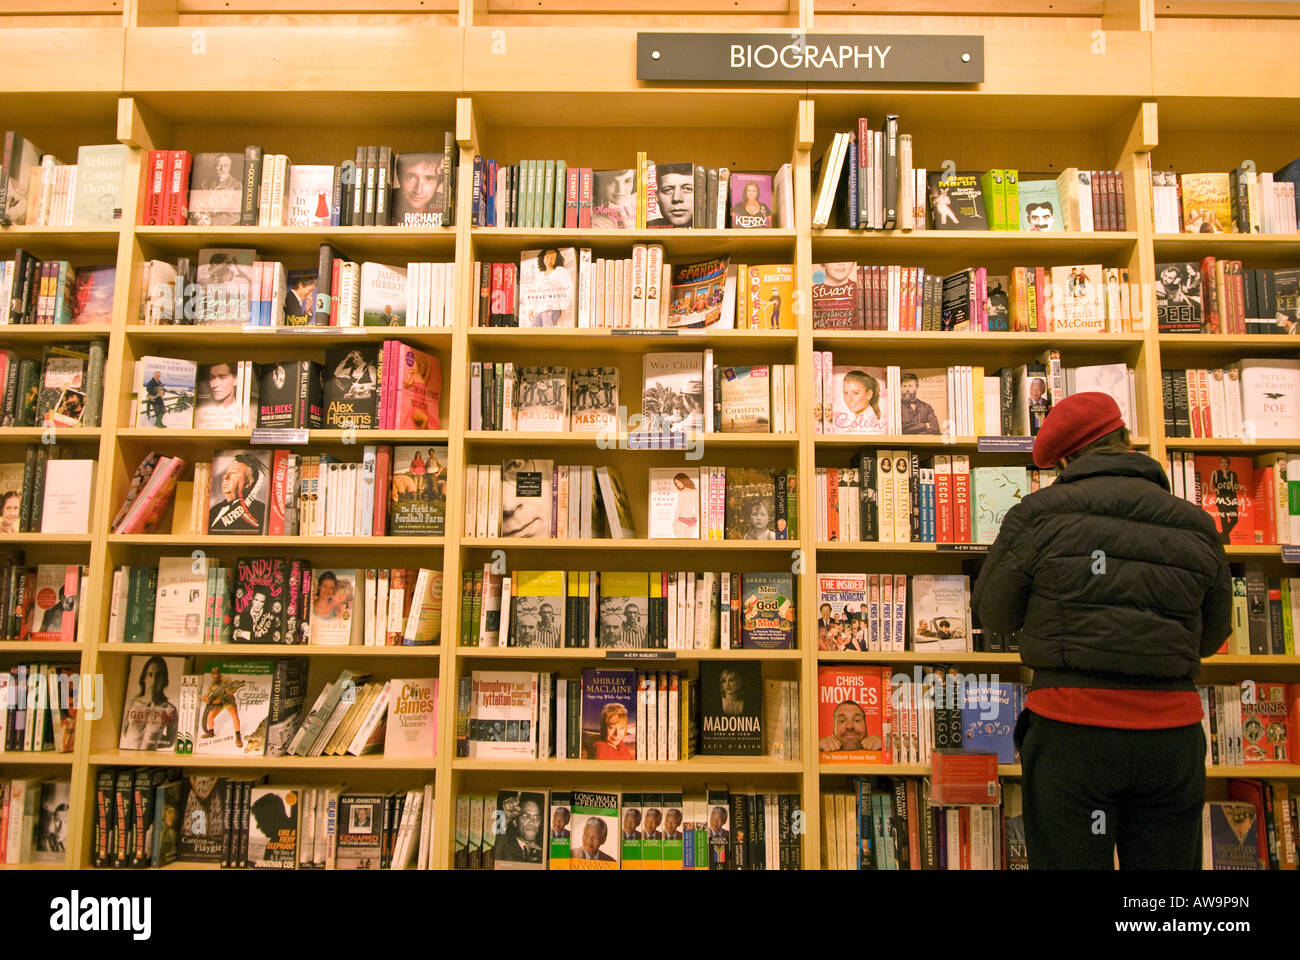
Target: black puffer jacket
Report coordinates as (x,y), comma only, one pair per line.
(1111,580)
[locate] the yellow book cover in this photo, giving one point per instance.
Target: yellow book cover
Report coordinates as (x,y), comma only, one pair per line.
(769,297)
(538,606)
(1207,204)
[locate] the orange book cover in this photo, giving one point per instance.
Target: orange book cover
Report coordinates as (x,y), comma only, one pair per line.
(851,714)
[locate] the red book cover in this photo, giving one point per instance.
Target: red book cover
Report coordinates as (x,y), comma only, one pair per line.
(386,386)
(497,297)
(1237,287)
(943,500)
(71,589)
(152,211)
(512,297)
(913,825)
(1266,724)
(572,196)
(154,499)
(961,499)
(1293,720)
(417,385)
(1194,403)
(963,819)
(275,506)
(1252,792)
(177,189)
(383,476)
(962,777)
(1226,488)
(1209,297)
(1040,305)
(1266,512)
(851,705)
(334,291)
(584,200)
(833,504)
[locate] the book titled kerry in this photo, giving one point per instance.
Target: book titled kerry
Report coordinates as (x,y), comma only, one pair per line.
(417,503)
(548,286)
(412,729)
(731,708)
(751,200)
(593,399)
(609,716)
(234,701)
(767,611)
(853,725)
(383,295)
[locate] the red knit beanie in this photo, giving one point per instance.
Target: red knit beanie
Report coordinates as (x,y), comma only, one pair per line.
(1073,423)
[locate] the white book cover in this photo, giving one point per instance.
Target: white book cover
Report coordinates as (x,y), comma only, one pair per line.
(1077,292)
(940,613)
(1270,394)
(234,701)
(541,402)
(503,715)
(672,398)
(858,401)
(164,391)
(311,187)
(548,287)
(180,600)
(334,607)
(526,498)
(66,503)
(218,390)
(675,504)
(382,295)
(1110,379)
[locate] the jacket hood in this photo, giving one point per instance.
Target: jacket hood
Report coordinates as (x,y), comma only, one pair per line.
(1115,463)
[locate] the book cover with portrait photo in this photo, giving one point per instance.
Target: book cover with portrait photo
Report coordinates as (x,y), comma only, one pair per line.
(851,712)
(609,716)
(731,708)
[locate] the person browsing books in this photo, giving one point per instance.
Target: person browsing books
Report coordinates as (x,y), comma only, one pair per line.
(1117,589)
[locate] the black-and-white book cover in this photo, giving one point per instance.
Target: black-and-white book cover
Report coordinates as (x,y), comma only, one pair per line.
(520,826)
(542,399)
(526,498)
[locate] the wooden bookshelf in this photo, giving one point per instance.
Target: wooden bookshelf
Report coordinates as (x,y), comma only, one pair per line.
(525,78)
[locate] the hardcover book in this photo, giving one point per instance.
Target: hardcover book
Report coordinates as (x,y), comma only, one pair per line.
(1270,394)
(613,205)
(526,498)
(241,482)
(746,400)
(334,620)
(165,392)
(311,186)
(835,296)
(624,610)
(100,171)
(769,297)
(1040,206)
(350,389)
(234,701)
(767,611)
(609,716)
(731,708)
(670,198)
(548,287)
(1077,294)
(851,725)
(221,399)
(150,718)
(751,200)
(940,614)
(416,378)
(538,599)
(1265,724)
(696,295)
(300,298)
(417,504)
(923,400)
(859,399)
(541,399)
(593,399)
(995,490)
(420,194)
(672,397)
(226,281)
(750,504)
(383,295)
(289,395)
(216,189)
(1225,488)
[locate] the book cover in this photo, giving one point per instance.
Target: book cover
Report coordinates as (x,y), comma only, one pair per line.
(769,297)
(609,721)
(63,388)
(11,496)
(746,400)
(538,599)
(234,701)
(593,399)
(541,399)
(672,396)
(503,715)
(165,392)
(940,613)
(417,503)
(671,197)
(988,719)
(300,297)
(613,200)
(92,296)
(1040,206)
(100,170)
(851,724)
(1265,725)
(596,842)
(731,708)
(624,610)
(259,611)
(227,281)
(216,189)
(202,825)
(750,512)
(241,481)
(520,819)
(333,607)
(956,202)
(548,287)
(1077,295)
(751,200)
(412,729)
(835,296)
(289,395)
(922,400)
(1270,390)
(180,599)
(841,612)
(1225,489)
(859,400)
(421,195)
(767,611)
(350,388)
(526,498)
(383,295)
(1207,203)
(273,820)
(360,839)
(149,712)
(218,390)
(675,503)
(995,491)
(417,378)
(1230,836)
(696,294)
(311,188)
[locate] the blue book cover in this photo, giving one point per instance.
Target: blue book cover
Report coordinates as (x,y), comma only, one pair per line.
(866,835)
(988,719)
(1233,836)
(609,716)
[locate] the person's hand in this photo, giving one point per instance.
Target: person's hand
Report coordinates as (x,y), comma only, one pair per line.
(827,744)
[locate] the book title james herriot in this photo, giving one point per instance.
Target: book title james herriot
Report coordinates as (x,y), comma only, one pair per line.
(810,55)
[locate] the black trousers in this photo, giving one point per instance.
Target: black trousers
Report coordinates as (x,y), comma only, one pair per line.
(1090,789)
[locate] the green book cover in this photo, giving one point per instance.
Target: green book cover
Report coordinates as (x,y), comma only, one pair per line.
(652,831)
(1011,199)
(992,184)
(561,193)
(548,195)
(630,822)
(558,834)
(672,829)
(996,490)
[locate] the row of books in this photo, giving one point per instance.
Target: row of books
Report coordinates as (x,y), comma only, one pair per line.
(1256,829)
(1243,200)
(956,401)
(41,604)
(48,492)
(550,193)
(1250,722)
(568,829)
(34,291)
(1221,296)
(1248,498)
(888,823)
(388,386)
(153,816)
(65,388)
(39,703)
(668,610)
(355,715)
(39,189)
(34,817)
(859,612)
(380,187)
(899,496)
(851,296)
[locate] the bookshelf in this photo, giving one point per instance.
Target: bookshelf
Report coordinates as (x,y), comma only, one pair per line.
(525,78)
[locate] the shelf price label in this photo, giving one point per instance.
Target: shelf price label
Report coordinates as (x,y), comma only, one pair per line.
(1005,444)
(280,436)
